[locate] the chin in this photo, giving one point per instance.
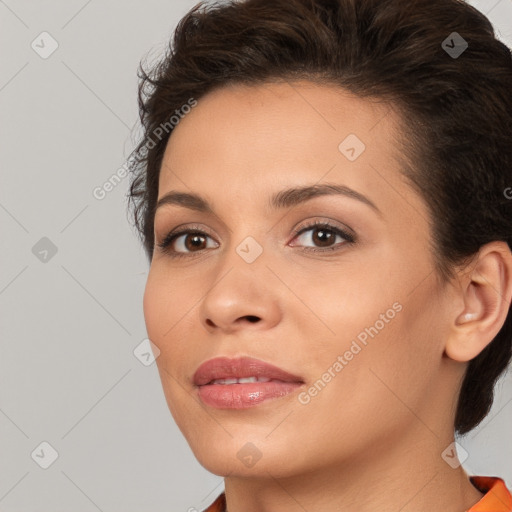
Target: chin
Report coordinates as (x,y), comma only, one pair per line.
(244,455)
(228,464)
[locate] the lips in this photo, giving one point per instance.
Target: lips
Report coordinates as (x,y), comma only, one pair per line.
(225,383)
(240,368)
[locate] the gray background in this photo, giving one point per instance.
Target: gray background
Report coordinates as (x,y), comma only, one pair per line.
(70,323)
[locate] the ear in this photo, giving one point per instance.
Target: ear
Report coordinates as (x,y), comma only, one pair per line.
(486,290)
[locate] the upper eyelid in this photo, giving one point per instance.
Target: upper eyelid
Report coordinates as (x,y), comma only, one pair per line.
(194,227)
(318,219)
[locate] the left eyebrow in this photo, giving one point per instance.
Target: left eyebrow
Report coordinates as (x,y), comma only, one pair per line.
(294,196)
(284,199)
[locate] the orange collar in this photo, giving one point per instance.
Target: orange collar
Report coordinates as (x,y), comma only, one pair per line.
(497,497)
(219,505)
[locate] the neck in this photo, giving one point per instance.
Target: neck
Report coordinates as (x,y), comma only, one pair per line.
(406,474)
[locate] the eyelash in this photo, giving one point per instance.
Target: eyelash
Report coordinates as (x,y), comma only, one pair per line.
(166,243)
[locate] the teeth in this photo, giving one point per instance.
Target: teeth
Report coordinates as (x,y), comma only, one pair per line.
(243,380)
(228,381)
(246,380)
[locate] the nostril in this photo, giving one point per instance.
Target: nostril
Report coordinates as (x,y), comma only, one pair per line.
(252,318)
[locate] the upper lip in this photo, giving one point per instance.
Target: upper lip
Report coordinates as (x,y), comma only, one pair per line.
(226,368)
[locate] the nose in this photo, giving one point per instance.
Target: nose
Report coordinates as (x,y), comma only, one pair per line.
(245,297)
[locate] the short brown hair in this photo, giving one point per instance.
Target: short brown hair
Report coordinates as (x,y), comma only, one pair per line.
(456,113)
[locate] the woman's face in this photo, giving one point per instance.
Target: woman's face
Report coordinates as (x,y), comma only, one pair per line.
(358,318)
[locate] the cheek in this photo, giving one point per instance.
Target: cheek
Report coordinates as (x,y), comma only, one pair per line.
(162,313)
(398,366)
(151,306)
(345,306)
(169,317)
(162,318)
(164,303)
(379,379)
(382,332)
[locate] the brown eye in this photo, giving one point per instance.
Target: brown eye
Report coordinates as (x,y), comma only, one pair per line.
(323,235)
(194,241)
(185,242)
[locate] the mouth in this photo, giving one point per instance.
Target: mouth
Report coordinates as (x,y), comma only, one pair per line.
(240,383)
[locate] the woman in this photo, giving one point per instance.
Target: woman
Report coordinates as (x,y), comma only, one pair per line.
(323,192)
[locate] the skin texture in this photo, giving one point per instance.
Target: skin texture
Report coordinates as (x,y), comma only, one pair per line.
(372,438)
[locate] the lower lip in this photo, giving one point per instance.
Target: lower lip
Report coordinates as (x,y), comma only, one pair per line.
(242,396)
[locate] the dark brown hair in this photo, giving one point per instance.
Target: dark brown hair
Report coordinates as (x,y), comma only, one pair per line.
(456,113)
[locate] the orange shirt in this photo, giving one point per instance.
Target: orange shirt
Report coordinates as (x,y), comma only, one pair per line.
(497,497)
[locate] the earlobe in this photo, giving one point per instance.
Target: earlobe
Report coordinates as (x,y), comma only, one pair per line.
(486,292)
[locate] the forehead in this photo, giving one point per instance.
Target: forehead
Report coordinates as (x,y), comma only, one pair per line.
(278,114)
(250,141)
